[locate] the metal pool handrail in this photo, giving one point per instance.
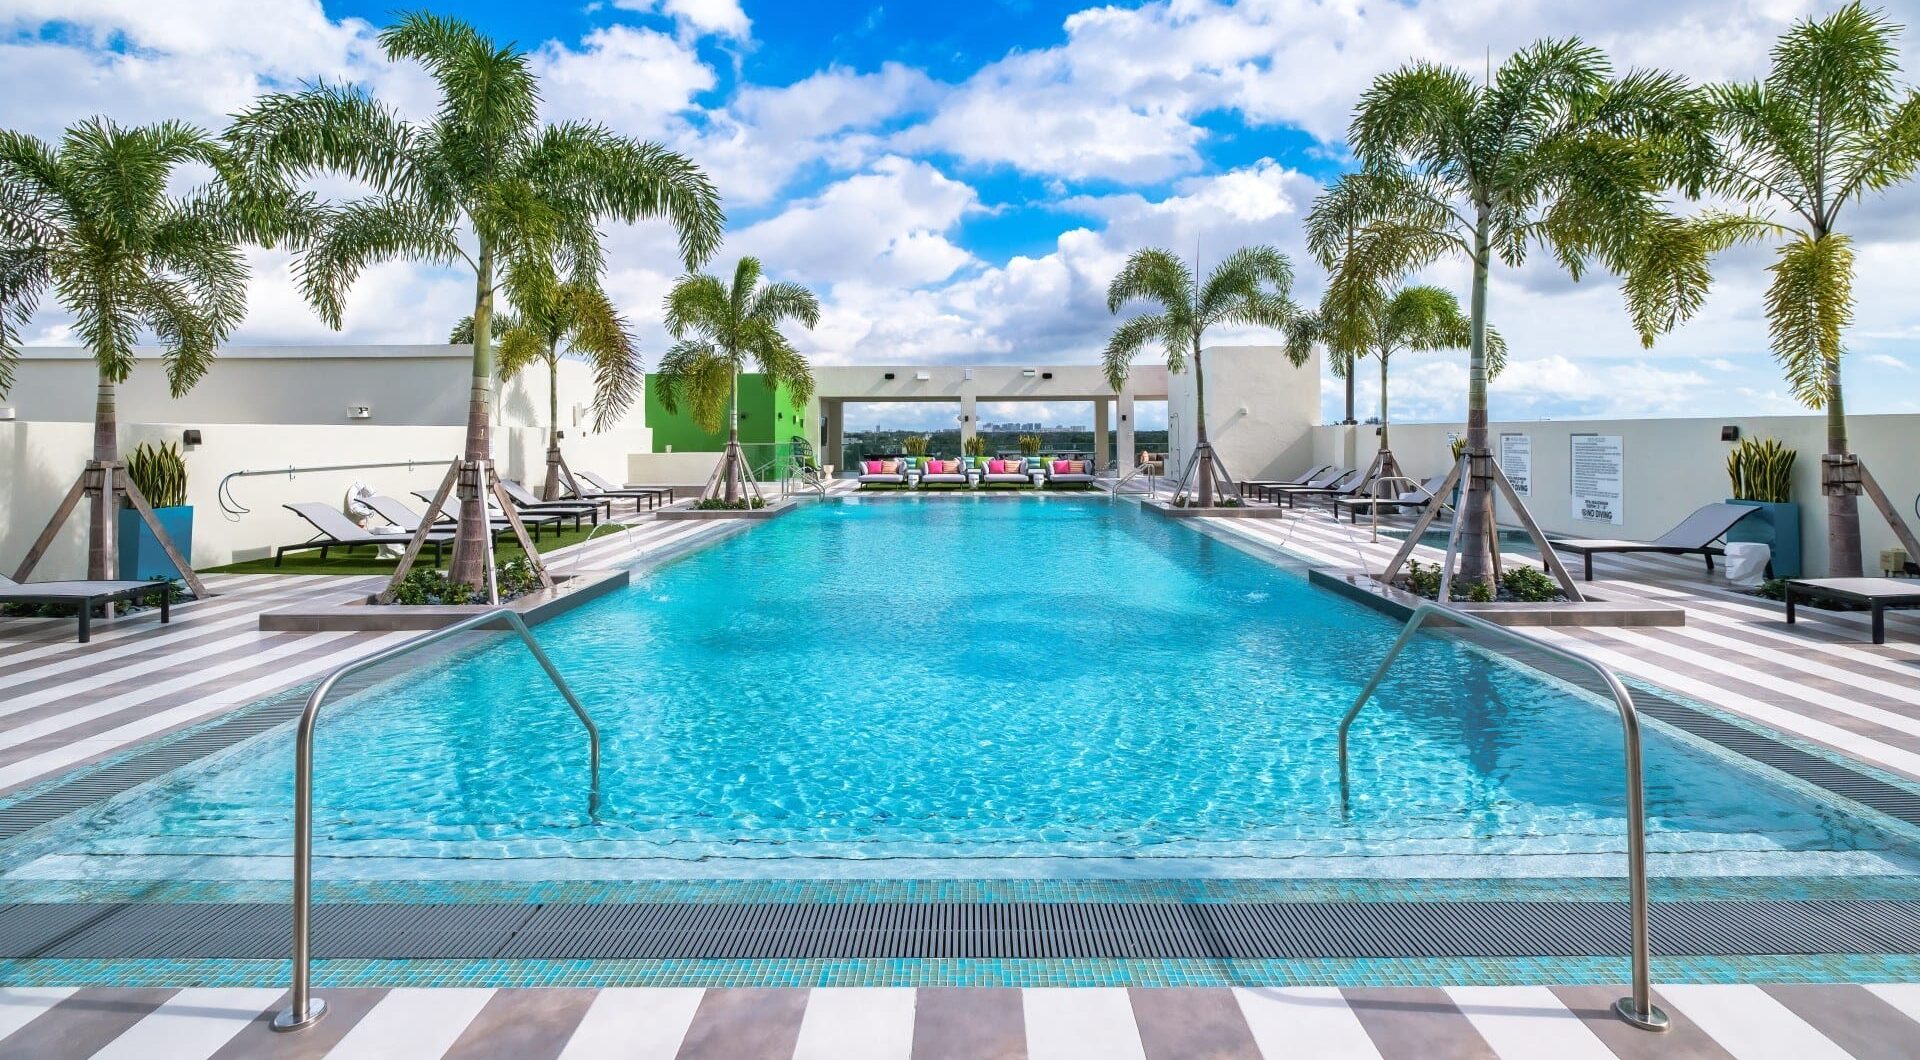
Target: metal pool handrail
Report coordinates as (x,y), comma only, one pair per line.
(1638,1009)
(303,1009)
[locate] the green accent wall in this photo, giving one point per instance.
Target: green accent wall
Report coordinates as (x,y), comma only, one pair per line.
(766,417)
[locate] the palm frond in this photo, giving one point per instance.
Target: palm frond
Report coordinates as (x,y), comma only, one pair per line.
(695,372)
(1809,306)
(1116,361)
(363,233)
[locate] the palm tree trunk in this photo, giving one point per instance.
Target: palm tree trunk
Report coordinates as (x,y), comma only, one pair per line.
(1476,531)
(551,490)
(1349,419)
(1200,427)
(1843,509)
(733,440)
(470,544)
(101,551)
(1383,401)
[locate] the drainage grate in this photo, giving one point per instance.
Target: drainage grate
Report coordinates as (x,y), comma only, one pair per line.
(843,931)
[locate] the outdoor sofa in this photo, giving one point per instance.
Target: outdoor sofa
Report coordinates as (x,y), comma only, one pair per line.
(889,472)
(944,473)
(1015,472)
(1070,473)
(1697,535)
(86,595)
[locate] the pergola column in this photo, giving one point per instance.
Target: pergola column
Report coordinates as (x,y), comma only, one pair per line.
(1127,452)
(969,419)
(1099,435)
(832,432)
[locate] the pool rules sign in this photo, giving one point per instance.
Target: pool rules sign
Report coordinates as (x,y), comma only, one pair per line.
(1516,459)
(1597,477)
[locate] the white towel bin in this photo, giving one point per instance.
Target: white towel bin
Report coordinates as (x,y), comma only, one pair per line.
(1747,562)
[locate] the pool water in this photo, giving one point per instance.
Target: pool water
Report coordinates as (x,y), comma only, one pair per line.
(965,686)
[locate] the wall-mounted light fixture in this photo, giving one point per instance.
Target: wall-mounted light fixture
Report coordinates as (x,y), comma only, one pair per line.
(966,373)
(1730,433)
(923,376)
(359,412)
(1028,372)
(889,375)
(1046,375)
(190,437)
(1123,417)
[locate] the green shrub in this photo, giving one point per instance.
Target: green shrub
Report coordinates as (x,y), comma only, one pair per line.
(516,578)
(1480,592)
(1423,579)
(976,446)
(1530,584)
(1772,589)
(915,445)
(721,504)
(1030,444)
(456,593)
(159,473)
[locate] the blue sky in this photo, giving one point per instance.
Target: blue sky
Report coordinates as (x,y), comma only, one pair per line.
(958,185)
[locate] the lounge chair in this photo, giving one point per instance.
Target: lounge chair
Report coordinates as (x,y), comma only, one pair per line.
(1874,594)
(1070,472)
(574,510)
(1011,473)
(950,473)
(1254,486)
(1414,498)
(1330,479)
(338,531)
(85,596)
(599,487)
(527,501)
(1695,536)
(451,514)
(889,472)
(1352,486)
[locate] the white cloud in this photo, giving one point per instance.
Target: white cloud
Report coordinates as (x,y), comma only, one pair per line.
(885,226)
(1885,360)
(722,18)
(634,80)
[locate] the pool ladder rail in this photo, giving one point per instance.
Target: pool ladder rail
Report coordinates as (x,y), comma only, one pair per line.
(303,1009)
(1638,1008)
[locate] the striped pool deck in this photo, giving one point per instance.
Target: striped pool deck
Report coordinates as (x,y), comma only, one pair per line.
(1876,1022)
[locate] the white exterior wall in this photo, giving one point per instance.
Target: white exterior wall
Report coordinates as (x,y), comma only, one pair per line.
(1672,466)
(1260,411)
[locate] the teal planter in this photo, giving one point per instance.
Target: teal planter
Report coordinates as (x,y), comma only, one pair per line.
(1778,527)
(141,558)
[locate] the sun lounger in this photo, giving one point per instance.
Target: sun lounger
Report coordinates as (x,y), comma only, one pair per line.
(1332,479)
(85,596)
(1695,536)
(599,487)
(1254,486)
(1874,594)
(338,531)
(451,513)
(1352,486)
(564,510)
(526,500)
(1416,498)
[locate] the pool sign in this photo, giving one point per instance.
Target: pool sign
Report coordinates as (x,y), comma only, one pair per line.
(1516,459)
(1597,477)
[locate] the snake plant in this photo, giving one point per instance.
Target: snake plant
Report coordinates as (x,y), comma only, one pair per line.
(159,473)
(1761,469)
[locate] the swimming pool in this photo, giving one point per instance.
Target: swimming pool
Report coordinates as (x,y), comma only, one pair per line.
(1054,688)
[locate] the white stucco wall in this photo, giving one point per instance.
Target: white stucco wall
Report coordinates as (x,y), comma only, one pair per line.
(1260,410)
(1672,466)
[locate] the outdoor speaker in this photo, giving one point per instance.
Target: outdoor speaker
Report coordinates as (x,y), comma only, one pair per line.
(190,436)
(1730,433)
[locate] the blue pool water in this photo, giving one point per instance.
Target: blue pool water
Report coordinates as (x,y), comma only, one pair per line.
(975,686)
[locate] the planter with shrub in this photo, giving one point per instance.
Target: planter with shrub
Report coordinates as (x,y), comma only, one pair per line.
(160,473)
(1761,472)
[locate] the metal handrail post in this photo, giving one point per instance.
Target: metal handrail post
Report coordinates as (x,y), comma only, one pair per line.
(303,1009)
(1637,1009)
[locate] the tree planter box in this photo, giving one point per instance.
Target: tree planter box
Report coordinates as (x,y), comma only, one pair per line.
(1778,527)
(569,592)
(689,513)
(1392,600)
(1215,512)
(141,558)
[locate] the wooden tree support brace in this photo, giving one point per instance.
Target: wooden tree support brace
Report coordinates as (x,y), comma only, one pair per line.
(1547,555)
(104,482)
(419,538)
(167,547)
(47,536)
(1427,515)
(519,528)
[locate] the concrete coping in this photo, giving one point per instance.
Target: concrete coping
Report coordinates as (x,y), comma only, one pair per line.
(570,591)
(1363,587)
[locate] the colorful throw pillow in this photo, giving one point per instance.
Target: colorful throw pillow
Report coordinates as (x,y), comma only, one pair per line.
(1075,467)
(996,467)
(1060,467)
(936,467)
(876,467)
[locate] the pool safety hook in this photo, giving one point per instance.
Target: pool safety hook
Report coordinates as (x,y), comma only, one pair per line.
(1637,1009)
(303,1009)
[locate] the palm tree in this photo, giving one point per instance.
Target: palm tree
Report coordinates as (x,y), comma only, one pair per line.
(92,220)
(577,316)
(1250,287)
(1417,319)
(1827,126)
(1553,151)
(727,325)
(482,185)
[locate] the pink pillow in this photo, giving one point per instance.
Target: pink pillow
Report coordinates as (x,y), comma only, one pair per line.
(996,467)
(876,467)
(936,467)
(1059,467)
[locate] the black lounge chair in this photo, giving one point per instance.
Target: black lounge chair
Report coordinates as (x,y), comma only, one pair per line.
(338,531)
(1340,489)
(1255,485)
(527,501)
(1414,498)
(1695,536)
(1333,479)
(495,521)
(86,596)
(599,487)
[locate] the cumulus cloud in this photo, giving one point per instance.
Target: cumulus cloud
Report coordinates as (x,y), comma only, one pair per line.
(722,18)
